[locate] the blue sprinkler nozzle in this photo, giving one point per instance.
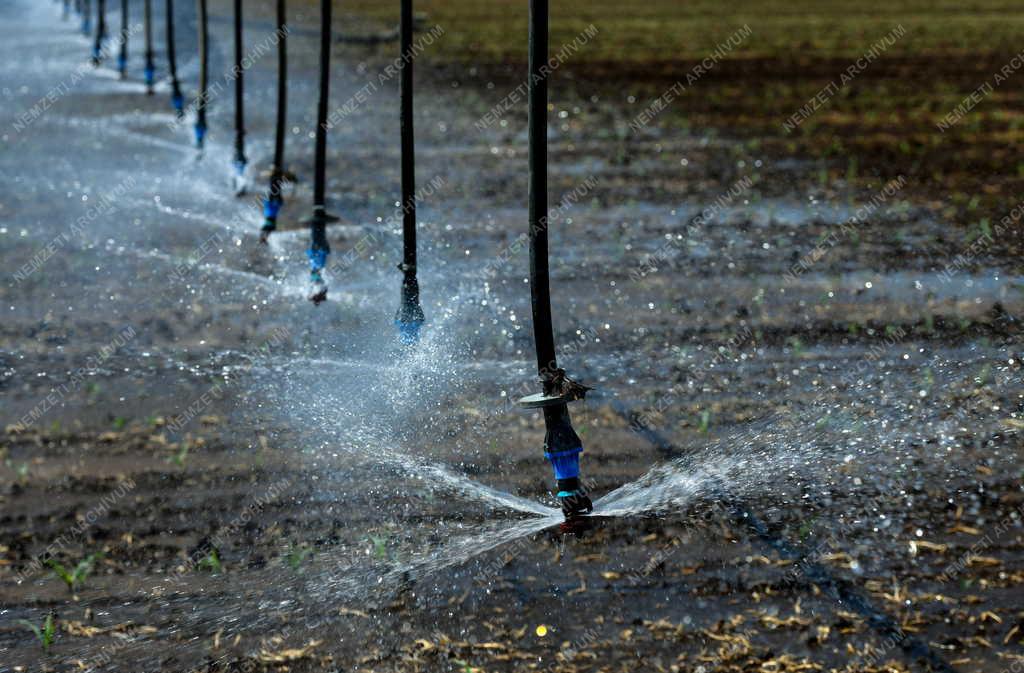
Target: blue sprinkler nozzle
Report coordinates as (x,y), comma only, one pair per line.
(97,54)
(240,172)
(409,331)
(122,65)
(565,463)
(200,130)
(178,103)
(317,261)
(150,75)
(271,208)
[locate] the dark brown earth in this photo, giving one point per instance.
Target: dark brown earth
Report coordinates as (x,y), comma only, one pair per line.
(295,520)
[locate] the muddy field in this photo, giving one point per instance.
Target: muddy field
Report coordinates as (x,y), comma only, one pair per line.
(804,444)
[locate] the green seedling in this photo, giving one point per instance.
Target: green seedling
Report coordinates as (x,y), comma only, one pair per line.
(380,547)
(75,578)
(22,471)
(805,528)
(296,555)
(211,562)
(181,456)
(705,421)
(55,427)
(120,422)
(44,634)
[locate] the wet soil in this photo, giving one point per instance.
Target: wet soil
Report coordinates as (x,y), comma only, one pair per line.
(265,485)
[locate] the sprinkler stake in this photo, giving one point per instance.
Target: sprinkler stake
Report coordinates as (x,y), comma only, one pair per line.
(240,184)
(319,248)
(177,100)
(204,61)
(562,446)
(409,318)
(273,202)
(122,55)
(150,70)
(410,314)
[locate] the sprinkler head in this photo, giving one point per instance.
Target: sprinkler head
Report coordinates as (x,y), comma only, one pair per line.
(317,288)
(240,182)
(410,316)
(271,208)
(97,56)
(317,285)
(574,499)
(150,76)
(409,332)
(178,103)
(200,130)
(562,447)
(122,66)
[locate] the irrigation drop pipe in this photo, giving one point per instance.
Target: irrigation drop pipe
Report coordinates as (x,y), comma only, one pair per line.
(239,161)
(204,65)
(319,249)
(150,72)
(410,314)
(101,31)
(562,446)
(177,100)
(274,200)
(122,54)
(86,17)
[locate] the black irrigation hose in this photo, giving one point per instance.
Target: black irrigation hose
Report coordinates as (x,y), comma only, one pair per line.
(150,72)
(204,56)
(240,160)
(177,100)
(410,314)
(122,55)
(540,289)
(101,31)
(274,200)
(838,589)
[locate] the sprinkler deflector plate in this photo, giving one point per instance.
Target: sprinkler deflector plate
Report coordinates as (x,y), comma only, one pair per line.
(539,400)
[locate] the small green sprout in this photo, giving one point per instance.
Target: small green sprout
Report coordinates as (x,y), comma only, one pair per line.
(211,562)
(75,578)
(45,634)
(380,547)
(705,421)
(120,422)
(181,455)
(297,554)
